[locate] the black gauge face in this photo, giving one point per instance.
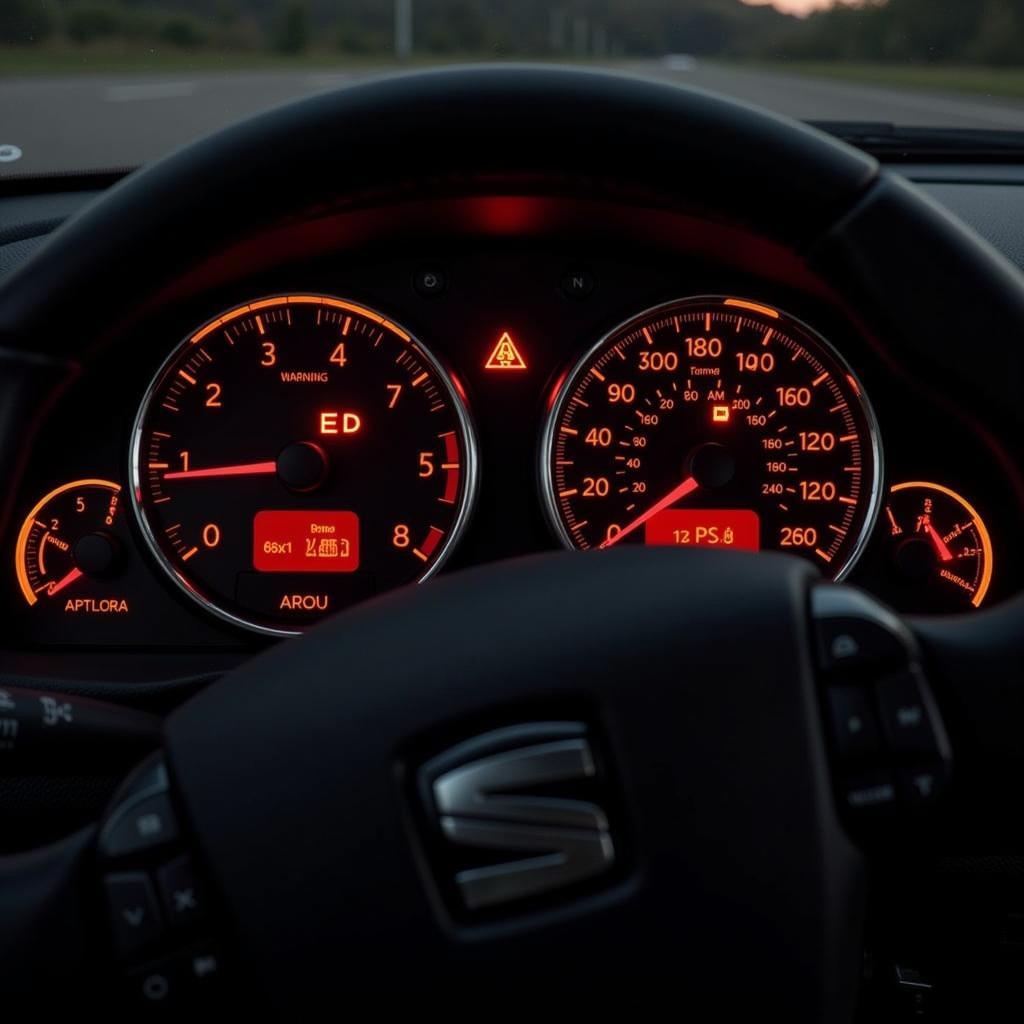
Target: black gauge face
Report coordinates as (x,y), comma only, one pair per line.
(67,542)
(296,455)
(940,557)
(714,422)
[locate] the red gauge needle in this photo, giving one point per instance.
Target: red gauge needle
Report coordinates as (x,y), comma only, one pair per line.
(244,469)
(686,487)
(64,581)
(940,545)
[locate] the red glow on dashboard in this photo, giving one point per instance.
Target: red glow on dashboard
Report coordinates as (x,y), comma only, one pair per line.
(287,541)
(459,388)
(553,396)
(507,215)
(739,529)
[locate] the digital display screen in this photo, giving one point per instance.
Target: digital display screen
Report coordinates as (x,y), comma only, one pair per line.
(304,541)
(704,528)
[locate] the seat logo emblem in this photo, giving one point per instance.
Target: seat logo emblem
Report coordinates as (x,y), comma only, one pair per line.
(509,791)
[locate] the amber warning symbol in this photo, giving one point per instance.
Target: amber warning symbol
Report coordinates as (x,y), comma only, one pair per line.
(505,355)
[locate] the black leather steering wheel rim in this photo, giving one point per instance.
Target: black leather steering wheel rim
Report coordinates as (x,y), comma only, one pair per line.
(910,266)
(912,269)
(472,128)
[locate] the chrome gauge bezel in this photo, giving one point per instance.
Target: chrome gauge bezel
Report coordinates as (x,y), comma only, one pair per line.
(582,364)
(208,603)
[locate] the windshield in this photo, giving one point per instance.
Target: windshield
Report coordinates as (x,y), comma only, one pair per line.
(98,85)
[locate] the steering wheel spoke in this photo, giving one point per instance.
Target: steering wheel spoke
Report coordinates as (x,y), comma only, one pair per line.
(161,919)
(46,924)
(892,759)
(614,779)
(976,664)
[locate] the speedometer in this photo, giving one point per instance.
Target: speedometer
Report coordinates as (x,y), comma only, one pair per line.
(297,454)
(714,422)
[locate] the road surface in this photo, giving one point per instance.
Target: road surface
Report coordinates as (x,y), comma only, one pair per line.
(112,121)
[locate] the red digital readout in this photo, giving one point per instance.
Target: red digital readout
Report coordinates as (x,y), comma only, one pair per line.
(705,528)
(287,541)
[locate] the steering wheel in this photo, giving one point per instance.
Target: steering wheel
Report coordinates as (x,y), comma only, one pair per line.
(643,783)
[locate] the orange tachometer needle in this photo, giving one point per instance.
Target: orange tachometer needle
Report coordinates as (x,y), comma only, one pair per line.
(64,581)
(686,487)
(244,469)
(940,545)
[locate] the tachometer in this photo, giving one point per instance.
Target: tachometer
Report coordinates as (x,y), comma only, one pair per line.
(297,454)
(714,422)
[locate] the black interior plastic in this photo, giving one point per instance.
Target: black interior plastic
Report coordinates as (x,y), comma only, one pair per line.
(695,668)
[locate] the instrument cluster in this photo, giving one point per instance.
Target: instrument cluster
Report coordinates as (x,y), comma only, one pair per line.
(272,453)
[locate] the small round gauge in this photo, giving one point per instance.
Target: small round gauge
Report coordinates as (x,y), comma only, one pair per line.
(940,549)
(714,422)
(68,536)
(298,454)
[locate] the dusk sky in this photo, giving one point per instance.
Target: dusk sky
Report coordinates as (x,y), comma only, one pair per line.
(795,6)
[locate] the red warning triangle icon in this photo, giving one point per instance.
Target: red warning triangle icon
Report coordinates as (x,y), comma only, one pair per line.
(505,355)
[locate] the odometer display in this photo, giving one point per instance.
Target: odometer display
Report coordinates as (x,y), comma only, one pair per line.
(714,422)
(298,454)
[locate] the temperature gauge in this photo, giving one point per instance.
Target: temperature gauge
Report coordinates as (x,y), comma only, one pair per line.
(940,548)
(67,541)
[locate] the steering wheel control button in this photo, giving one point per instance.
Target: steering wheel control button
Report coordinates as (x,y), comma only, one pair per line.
(905,716)
(886,729)
(133,911)
(482,796)
(872,791)
(856,634)
(853,722)
(923,785)
(157,988)
(142,818)
(191,980)
(142,824)
(854,644)
(180,893)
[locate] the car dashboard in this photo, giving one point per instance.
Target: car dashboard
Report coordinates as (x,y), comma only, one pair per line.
(347,406)
(345,398)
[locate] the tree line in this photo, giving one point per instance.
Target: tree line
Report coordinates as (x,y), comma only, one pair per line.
(925,31)
(932,31)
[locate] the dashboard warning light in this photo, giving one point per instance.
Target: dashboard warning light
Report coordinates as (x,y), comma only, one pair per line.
(340,423)
(719,414)
(505,355)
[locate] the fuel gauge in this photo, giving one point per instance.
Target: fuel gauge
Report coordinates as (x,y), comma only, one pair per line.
(940,549)
(67,549)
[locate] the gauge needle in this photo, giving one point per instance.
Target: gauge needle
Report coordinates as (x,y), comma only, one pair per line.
(243,469)
(686,487)
(940,545)
(64,581)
